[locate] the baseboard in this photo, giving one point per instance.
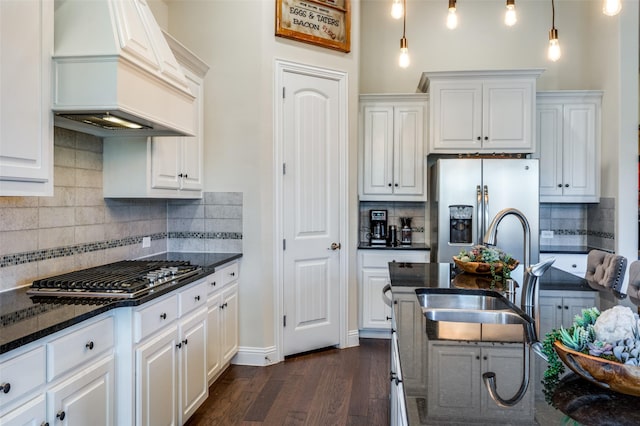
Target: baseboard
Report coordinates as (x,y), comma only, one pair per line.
(375,334)
(258,357)
(353,338)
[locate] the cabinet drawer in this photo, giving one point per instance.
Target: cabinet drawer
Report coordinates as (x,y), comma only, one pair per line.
(214,282)
(23,373)
(229,273)
(152,318)
(83,345)
(575,264)
(193,297)
(381,259)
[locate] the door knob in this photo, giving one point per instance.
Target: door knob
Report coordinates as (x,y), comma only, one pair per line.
(335,246)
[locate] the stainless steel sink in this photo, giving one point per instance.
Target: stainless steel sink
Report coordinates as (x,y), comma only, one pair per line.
(475,306)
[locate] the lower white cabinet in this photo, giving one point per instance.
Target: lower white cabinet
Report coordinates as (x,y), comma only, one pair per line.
(397,402)
(456,388)
(375,314)
(43,386)
(222,319)
(85,398)
(558,308)
(171,364)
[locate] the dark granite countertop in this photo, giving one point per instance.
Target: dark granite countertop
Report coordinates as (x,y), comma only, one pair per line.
(565,249)
(414,351)
(414,246)
(24,319)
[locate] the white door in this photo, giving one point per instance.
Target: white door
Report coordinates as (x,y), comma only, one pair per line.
(310,212)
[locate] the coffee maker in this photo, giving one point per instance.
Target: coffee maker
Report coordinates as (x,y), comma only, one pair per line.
(378,226)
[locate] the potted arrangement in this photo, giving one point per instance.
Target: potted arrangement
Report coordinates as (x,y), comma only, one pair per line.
(483,260)
(603,348)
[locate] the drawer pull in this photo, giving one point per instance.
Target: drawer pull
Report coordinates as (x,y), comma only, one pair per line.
(89,345)
(61,415)
(233,274)
(163,316)
(197,298)
(5,387)
(213,283)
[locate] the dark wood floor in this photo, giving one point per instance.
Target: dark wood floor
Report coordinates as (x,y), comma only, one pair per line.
(329,387)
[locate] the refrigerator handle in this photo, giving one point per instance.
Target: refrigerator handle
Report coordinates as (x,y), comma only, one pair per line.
(479,213)
(486,212)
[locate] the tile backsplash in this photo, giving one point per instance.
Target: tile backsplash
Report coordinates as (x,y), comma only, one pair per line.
(395,210)
(77,228)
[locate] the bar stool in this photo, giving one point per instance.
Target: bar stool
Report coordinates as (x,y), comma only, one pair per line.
(634,283)
(606,270)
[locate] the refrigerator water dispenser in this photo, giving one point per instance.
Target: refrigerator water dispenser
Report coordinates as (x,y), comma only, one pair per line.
(460,220)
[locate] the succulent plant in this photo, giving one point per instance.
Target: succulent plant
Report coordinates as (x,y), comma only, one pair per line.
(575,338)
(588,317)
(599,348)
(627,351)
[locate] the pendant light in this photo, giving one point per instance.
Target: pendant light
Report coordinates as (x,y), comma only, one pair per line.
(554,52)
(510,17)
(611,7)
(452,18)
(404,46)
(397,9)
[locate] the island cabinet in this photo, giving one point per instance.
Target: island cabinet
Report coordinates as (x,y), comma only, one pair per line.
(67,377)
(456,389)
(392,148)
(559,308)
(222,319)
(160,167)
(481,111)
(26,120)
(568,136)
(573,263)
(375,314)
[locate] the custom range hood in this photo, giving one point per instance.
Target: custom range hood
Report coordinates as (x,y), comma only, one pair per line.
(114,73)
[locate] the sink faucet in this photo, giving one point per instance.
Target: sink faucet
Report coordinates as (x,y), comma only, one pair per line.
(491,237)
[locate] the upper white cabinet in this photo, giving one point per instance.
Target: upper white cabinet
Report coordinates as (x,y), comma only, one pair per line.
(26,120)
(481,111)
(160,167)
(392,147)
(569,146)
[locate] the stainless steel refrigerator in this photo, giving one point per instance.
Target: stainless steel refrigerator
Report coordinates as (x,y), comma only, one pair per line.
(466,194)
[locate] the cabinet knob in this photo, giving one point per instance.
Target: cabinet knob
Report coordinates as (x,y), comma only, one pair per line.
(566,307)
(559,185)
(396,185)
(186,175)
(213,283)
(389,184)
(5,387)
(477,356)
(44,424)
(486,138)
(484,357)
(566,185)
(180,175)
(559,307)
(197,298)
(233,274)
(574,266)
(479,138)
(388,318)
(89,345)
(179,345)
(163,316)
(185,341)
(61,415)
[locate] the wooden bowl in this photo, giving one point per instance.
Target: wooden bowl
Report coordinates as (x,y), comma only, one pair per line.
(465,280)
(602,372)
(481,268)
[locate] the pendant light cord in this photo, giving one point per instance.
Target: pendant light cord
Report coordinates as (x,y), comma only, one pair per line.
(553,15)
(404,18)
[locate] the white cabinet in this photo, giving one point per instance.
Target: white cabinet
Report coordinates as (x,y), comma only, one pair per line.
(476,111)
(171,361)
(559,308)
(568,136)
(26,120)
(397,401)
(392,156)
(456,388)
(222,318)
(375,315)
(160,167)
(68,376)
(573,263)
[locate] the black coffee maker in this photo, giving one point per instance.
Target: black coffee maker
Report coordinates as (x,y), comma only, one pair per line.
(378,226)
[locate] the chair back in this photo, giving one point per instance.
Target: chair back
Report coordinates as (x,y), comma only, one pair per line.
(606,269)
(634,283)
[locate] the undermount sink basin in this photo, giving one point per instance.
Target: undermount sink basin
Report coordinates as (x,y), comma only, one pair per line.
(476,306)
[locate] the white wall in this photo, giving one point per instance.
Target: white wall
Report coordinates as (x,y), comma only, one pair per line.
(236,38)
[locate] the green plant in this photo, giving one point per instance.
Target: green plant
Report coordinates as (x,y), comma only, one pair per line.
(555,366)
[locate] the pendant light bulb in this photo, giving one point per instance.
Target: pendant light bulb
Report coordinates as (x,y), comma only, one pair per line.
(510,17)
(452,18)
(404,60)
(611,7)
(554,52)
(397,11)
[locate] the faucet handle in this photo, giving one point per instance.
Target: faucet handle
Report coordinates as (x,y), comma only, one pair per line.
(540,268)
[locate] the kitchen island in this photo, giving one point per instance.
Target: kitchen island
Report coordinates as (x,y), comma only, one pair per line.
(442,363)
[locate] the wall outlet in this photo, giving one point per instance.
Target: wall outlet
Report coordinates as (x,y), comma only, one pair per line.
(146,242)
(546,234)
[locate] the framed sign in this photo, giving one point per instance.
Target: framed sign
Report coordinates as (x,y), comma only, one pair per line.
(325,23)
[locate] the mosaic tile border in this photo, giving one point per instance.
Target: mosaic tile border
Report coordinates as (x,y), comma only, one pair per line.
(582,232)
(38,255)
(24,314)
